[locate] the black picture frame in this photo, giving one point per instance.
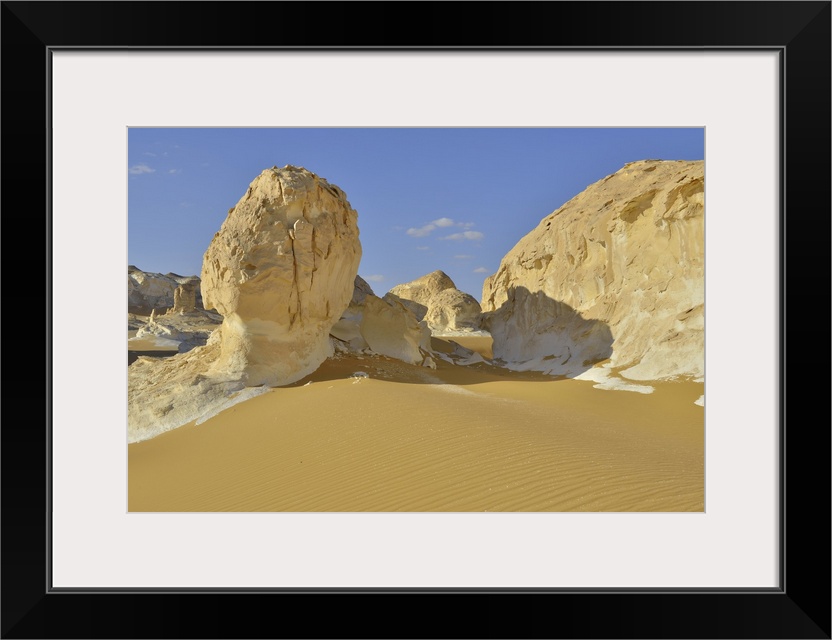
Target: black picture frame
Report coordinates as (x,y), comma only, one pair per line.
(799,608)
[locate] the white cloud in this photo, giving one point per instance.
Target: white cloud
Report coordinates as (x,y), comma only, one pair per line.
(148,153)
(480,270)
(465,235)
(138,169)
(423,248)
(172,171)
(462,256)
(421,232)
(374,278)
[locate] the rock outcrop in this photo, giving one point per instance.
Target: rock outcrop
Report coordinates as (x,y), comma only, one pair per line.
(384,327)
(280,271)
(148,292)
(435,299)
(453,310)
(617,272)
(184,331)
(416,295)
(184,298)
(166,393)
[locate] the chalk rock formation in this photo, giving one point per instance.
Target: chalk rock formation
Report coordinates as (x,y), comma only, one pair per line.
(281,271)
(166,393)
(416,295)
(184,297)
(135,321)
(456,354)
(384,327)
(453,310)
(617,272)
(435,299)
(181,330)
(361,289)
(147,291)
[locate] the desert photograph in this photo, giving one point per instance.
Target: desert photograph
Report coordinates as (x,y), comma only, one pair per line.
(415,320)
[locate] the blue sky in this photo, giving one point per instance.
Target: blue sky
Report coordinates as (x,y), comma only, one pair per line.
(451,199)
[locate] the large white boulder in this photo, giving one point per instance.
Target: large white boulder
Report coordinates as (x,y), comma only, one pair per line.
(617,272)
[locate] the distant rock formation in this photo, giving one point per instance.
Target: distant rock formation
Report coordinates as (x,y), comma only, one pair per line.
(435,299)
(148,292)
(135,321)
(453,310)
(183,331)
(184,297)
(384,327)
(280,271)
(416,295)
(617,272)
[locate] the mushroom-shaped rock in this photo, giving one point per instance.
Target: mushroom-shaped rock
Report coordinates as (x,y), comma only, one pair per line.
(280,271)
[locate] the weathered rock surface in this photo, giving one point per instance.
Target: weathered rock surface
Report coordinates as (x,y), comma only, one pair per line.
(163,394)
(435,299)
(617,272)
(453,310)
(148,292)
(384,327)
(135,321)
(184,297)
(361,289)
(416,295)
(280,271)
(182,330)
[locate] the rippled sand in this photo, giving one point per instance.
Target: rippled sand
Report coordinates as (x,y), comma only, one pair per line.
(457,439)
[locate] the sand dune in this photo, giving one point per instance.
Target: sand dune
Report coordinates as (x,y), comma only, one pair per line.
(457,439)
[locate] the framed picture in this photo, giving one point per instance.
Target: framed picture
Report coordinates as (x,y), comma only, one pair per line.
(755,75)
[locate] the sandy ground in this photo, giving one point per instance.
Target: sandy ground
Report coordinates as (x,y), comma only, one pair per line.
(457,439)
